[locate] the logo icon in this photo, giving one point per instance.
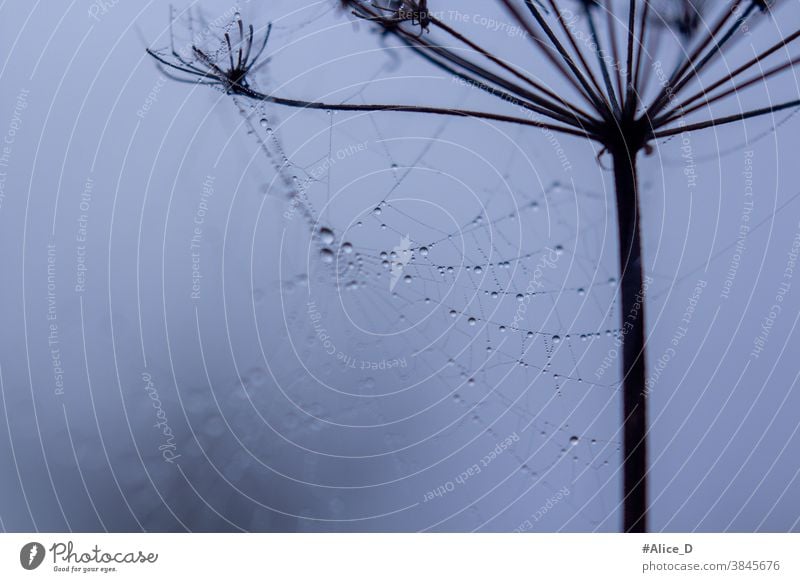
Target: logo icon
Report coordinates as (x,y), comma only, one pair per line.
(31,555)
(401,256)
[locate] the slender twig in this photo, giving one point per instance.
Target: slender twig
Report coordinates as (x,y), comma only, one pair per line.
(600,103)
(686,63)
(733,90)
(513,93)
(739,70)
(589,12)
(612,36)
(640,52)
(613,119)
(548,51)
(558,104)
(728,119)
(571,38)
(631,92)
(299,103)
(698,66)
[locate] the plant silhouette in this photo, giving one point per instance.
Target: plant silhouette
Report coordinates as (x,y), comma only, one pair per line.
(615,104)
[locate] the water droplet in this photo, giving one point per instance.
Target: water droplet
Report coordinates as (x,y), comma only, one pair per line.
(502,329)
(327,255)
(556,339)
(347,248)
(529,335)
(573,440)
(407,278)
(423,251)
(559,249)
(326,235)
(478,270)
(581,292)
(264,122)
(494,295)
(472,321)
(377,211)
(520,297)
(453,313)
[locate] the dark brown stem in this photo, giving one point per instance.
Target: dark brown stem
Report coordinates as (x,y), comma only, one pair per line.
(669,88)
(633,347)
(731,76)
(726,120)
(589,12)
(630,90)
(737,87)
(612,39)
(576,48)
(559,105)
(548,50)
(301,104)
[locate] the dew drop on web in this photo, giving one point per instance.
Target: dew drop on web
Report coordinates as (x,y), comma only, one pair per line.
(326,255)
(326,235)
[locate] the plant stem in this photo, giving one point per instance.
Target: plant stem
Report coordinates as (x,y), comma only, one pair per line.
(633,347)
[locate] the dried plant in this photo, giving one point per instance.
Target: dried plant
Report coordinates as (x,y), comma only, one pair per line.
(620,109)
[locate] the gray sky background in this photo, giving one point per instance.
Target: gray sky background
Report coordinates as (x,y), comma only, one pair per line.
(270,432)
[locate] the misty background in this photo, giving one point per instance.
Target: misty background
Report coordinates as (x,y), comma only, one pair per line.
(185,346)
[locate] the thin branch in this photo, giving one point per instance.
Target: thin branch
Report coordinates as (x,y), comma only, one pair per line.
(188,69)
(612,34)
(518,95)
(735,89)
(588,10)
(546,50)
(732,75)
(695,69)
(579,53)
(297,103)
(640,50)
(630,93)
(560,104)
(654,45)
(664,96)
(445,62)
(726,120)
(600,104)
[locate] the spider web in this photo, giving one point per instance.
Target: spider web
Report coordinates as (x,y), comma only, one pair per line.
(434,310)
(439,318)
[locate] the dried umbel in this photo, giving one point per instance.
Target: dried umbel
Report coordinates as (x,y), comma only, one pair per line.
(230,71)
(607,52)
